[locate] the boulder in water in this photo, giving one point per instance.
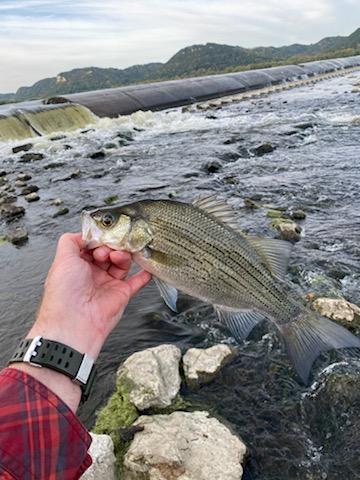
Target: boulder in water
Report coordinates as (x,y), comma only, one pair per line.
(97,155)
(288,229)
(212,166)
(23,148)
(17,236)
(262,149)
(3,173)
(338,309)
(29,189)
(24,177)
(11,212)
(184,446)
(203,365)
(68,176)
(298,214)
(153,375)
(32,197)
(60,212)
(31,157)
(102,454)
(19,184)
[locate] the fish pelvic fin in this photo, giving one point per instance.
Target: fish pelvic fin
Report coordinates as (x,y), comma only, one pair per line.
(309,335)
(239,322)
(168,293)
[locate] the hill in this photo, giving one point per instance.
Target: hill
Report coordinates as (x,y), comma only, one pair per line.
(190,61)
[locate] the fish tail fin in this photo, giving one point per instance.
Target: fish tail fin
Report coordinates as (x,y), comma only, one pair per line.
(309,335)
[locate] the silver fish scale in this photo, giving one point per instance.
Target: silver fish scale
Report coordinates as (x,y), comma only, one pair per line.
(206,259)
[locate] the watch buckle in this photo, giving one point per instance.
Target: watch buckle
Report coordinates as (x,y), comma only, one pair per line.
(32,351)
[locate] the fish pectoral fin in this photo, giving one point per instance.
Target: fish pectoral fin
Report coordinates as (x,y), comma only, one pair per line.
(274,253)
(218,209)
(239,322)
(168,293)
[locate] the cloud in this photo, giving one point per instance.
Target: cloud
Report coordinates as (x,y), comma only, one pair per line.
(40,38)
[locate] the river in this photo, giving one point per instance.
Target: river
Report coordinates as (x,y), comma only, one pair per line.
(314,166)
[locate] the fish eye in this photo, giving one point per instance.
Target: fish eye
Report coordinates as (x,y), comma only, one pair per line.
(107,220)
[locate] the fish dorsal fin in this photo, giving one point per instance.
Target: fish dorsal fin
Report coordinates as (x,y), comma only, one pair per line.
(274,253)
(239,322)
(168,293)
(219,209)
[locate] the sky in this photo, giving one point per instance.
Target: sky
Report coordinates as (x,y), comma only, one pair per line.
(41,38)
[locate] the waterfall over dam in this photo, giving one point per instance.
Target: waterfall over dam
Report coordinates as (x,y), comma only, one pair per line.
(73,111)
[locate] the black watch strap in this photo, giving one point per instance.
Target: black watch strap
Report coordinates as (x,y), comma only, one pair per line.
(41,352)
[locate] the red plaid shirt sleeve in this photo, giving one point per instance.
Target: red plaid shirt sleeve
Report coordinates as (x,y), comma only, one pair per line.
(40,437)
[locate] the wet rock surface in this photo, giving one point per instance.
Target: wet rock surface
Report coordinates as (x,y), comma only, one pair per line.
(203,365)
(154,376)
(17,235)
(102,454)
(338,309)
(184,446)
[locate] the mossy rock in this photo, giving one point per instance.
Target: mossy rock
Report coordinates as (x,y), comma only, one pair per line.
(274,214)
(3,240)
(111,199)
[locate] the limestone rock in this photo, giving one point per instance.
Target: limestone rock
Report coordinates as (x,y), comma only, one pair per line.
(288,229)
(10,212)
(153,375)
(29,189)
(184,446)
(338,309)
(202,365)
(102,454)
(17,235)
(32,197)
(31,157)
(61,211)
(22,148)
(24,177)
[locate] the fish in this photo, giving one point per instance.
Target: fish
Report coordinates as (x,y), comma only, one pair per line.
(199,249)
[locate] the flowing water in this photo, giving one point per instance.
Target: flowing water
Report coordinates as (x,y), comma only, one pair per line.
(292,431)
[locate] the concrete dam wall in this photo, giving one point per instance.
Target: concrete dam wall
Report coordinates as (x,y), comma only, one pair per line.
(73,111)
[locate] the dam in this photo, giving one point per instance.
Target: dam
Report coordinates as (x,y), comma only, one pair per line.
(74,111)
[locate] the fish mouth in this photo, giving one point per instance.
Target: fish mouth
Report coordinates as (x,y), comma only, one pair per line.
(90,232)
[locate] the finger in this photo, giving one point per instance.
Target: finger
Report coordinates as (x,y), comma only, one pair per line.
(87,256)
(101,254)
(117,273)
(138,281)
(121,260)
(69,244)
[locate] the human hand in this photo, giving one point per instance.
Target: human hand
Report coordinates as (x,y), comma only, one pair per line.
(85,295)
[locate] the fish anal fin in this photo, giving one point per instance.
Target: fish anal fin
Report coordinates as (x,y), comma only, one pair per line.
(309,335)
(274,253)
(168,293)
(239,322)
(219,209)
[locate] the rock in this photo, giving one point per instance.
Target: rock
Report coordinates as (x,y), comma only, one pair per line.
(17,236)
(61,211)
(274,213)
(211,117)
(123,143)
(3,181)
(263,149)
(110,146)
(184,446)
(202,365)
(68,176)
(68,147)
(19,184)
(231,180)
(96,155)
(3,173)
(288,230)
(111,199)
(153,375)
(32,197)
(338,309)
(56,202)
(31,157)
(57,137)
(212,166)
(52,165)
(232,140)
(126,136)
(23,148)
(29,189)
(102,454)
(11,212)
(298,214)
(23,177)
(230,157)
(7,199)
(250,203)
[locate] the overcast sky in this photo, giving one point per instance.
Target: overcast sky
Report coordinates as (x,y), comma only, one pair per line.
(40,38)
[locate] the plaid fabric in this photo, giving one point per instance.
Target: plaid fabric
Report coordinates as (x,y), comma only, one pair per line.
(40,437)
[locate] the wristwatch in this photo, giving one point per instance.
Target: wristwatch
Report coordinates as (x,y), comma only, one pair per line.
(41,352)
